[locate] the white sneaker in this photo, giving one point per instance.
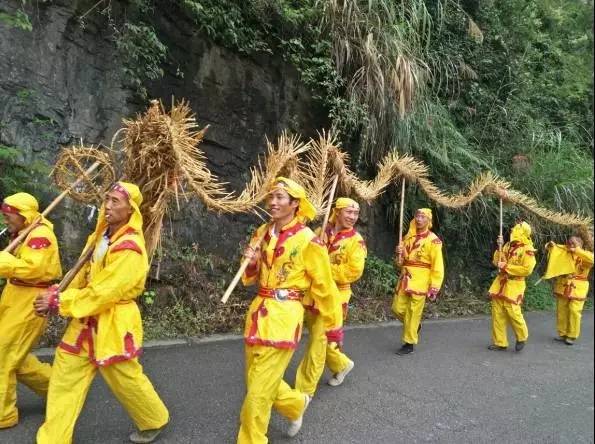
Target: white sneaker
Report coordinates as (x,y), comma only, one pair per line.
(338,378)
(295,426)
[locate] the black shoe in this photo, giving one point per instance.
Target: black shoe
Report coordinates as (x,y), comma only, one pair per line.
(405,349)
(560,339)
(519,345)
(146,436)
(569,341)
(496,347)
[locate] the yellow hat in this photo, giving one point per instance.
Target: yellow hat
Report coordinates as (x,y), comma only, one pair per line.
(412,226)
(342,202)
(24,204)
(132,193)
(521,233)
(306,210)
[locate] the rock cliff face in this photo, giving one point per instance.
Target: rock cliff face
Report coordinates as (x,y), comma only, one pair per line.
(63,82)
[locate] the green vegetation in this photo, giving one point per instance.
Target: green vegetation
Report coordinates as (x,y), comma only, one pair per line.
(16,19)
(18,176)
(466,86)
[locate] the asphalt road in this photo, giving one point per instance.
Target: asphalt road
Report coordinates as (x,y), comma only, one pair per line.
(451,390)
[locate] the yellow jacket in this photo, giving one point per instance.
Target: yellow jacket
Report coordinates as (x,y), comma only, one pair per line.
(422,269)
(294,262)
(576,286)
(347,253)
(101,299)
(35,265)
(510,284)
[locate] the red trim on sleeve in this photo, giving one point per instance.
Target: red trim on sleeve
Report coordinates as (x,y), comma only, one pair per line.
(38,243)
(127,245)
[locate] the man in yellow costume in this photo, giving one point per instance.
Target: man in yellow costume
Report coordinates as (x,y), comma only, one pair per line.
(290,261)
(33,266)
(515,262)
(347,253)
(420,261)
(105,332)
(570,288)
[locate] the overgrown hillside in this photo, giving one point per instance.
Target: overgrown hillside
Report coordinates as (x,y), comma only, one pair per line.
(466,86)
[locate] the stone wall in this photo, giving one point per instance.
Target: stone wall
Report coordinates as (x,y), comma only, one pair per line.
(63,82)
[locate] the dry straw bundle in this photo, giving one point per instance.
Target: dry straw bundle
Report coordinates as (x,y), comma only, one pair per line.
(394,166)
(163,158)
(280,160)
(318,168)
(72,163)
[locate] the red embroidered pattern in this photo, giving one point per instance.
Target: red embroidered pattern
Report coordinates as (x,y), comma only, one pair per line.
(283,236)
(38,243)
(130,351)
(416,242)
(251,338)
(127,245)
(334,242)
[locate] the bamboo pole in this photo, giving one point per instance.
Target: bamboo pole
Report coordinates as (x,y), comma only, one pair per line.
(500,239)
(329,206)
(243,266)
(24,233)
(68,277)
(401,212)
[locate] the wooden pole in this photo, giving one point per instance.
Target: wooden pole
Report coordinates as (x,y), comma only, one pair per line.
(402,211)
(329,206)
(68,277)
(501,233)
(243,267)
(24,233)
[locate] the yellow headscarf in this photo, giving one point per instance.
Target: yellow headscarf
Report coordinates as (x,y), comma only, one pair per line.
(135,199)
(306,210)
(521,233)
(342,202)
(413,228)
(25,205)
(560,262)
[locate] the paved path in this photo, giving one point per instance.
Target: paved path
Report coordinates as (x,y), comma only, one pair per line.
(451,390)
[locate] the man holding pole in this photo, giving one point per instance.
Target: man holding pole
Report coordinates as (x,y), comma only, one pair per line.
(515,261)
(419,258)
(32,266)
(347,252)
(570,264)
(105,332)
(286,260)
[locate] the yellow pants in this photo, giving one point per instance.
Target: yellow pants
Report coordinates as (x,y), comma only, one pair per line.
(408,309)
(317,353)
(72,376)
(18,335)
(569,315)
(504,313)
(265,389)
